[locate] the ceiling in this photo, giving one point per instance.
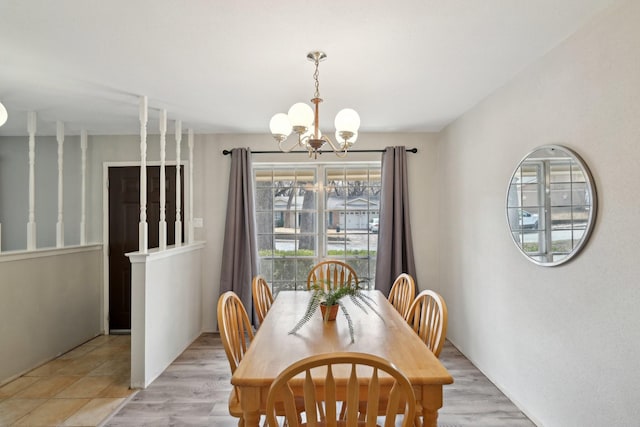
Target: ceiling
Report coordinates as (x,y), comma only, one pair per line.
(226,66)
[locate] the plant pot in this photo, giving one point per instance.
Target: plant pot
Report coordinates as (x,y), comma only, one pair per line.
(333,311)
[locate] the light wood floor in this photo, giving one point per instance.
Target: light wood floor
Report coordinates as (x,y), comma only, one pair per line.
(194,391)
(88,387)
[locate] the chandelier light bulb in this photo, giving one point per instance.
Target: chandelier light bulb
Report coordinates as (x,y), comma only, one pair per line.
(300,114)
(347,120)
(3,114)
(280,125)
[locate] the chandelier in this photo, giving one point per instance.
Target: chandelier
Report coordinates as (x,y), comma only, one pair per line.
(303,120)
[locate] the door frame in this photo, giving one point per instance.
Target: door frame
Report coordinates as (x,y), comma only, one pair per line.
(105,222)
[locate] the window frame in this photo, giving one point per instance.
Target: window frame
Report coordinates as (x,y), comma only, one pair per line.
(321,223)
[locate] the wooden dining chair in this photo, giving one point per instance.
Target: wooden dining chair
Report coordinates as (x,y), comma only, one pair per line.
(236,334)
(332,274)
(428,317)
(262,296)
(323,398)
(402,294)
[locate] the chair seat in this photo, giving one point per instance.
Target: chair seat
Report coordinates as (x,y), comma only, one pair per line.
(340,424)
(383,408)
(235,410)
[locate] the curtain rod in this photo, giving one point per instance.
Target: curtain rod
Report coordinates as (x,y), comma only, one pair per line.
(409,150)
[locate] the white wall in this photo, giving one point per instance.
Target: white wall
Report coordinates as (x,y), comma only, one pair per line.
(562,342)
(166,291)
(50,302)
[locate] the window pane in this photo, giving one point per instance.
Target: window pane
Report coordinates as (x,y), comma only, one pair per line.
(560,171)
(560,194)
(577,174)
(264,178)
(562,240)
(265,245)
(266,269)
(521,219)
(283,269)
(580,217)
(531,195)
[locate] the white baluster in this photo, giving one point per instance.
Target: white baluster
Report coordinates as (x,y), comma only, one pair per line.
(31,224)
(163,196)
(178,224)
(190,142)
(60,224)
(143,230)
(83,198)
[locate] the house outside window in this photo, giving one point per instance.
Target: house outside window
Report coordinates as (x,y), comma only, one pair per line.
(306,214)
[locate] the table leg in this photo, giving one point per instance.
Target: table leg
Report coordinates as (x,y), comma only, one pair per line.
(431,402)
(250,402)
(252,419)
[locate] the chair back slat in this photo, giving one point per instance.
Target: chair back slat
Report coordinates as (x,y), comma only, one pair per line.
(330,397)
(290,408)
(373,403)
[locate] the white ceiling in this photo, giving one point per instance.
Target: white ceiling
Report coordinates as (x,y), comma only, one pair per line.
(226,66)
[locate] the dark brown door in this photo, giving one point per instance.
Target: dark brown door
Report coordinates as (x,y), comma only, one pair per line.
(124,216)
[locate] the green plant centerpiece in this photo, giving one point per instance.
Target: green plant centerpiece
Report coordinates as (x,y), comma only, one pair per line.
(325,296)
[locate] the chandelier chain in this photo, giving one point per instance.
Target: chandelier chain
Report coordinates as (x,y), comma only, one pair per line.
(316,74)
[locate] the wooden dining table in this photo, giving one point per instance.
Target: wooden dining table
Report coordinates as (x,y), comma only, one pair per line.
(388,336)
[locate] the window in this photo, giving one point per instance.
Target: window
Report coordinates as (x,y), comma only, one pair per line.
(310,213)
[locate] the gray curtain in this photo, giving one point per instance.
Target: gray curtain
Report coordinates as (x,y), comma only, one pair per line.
(395,246)
(239,251)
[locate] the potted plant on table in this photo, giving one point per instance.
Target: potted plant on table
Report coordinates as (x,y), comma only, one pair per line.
(330,299)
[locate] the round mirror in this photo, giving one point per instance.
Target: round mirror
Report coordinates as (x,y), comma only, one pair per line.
(551,205)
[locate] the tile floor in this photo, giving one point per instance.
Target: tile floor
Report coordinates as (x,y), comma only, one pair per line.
(80,388)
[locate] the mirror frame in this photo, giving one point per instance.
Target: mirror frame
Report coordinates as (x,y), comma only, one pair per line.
(544,207)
